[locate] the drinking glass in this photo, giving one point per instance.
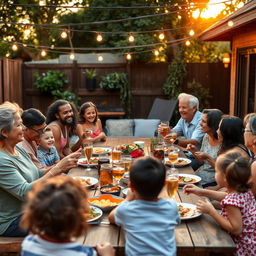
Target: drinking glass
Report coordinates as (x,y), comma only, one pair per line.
(118,171)
(172,182)
(116,154)
(173,136)
(127,161)
(173,156)
(164,129)
(88,153)
(158,152)
(106,177)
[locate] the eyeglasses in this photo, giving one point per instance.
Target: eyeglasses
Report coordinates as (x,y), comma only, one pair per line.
(39,131)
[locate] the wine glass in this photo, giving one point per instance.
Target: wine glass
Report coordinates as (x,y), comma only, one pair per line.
(164,129)
(173,136)
(88,153)
(173,156)
(118,171)
(172,182)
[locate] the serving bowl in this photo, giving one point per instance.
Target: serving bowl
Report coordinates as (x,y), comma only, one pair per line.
(110,189)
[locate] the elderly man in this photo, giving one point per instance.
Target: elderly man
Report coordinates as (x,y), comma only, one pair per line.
(61,118)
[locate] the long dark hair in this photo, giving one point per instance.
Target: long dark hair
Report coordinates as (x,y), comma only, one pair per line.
(82,110)
(213,120)
(232,131)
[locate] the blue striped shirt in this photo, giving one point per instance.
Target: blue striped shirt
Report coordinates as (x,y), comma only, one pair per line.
(47,158)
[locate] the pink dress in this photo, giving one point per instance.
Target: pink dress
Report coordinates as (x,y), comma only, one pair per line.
(246,241)
(95,133)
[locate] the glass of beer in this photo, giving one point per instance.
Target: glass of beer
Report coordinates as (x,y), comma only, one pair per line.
(173,136)
(118,171)
(173,155)
(127,161)
(88,153)
(116,154)
(164,129)
(106,175)
(172,182)
(158,152)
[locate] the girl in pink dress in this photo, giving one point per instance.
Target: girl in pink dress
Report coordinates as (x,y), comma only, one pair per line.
(238,214)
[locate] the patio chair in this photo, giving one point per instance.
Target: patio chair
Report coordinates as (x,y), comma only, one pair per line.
(162,109)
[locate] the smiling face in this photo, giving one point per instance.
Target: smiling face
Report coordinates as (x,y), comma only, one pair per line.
(203,123)
(90,114)
(46,140)
(185,110)
(66,115)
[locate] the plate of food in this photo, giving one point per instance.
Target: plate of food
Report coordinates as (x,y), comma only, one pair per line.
(84,162)
(101,150)
(181,162)
(105,202)
(188,211)
(94,213)
(188,179)
(86,181)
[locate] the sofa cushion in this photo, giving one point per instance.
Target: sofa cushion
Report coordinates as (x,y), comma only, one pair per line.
(145,127)
(119,127)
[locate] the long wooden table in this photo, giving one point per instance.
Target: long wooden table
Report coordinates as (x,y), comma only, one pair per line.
(199,236)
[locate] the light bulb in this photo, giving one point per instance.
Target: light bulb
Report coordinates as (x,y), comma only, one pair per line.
(131,38)
(230,23)
(43,53)
(179,17)
(128,56)
(64,35)
(156,52)
(161,36)
(99,38)
(100,58)
(52,46)
(191,32)
(72,56)
(187,43)
(14,47)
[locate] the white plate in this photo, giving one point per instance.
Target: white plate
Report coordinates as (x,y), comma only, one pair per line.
(97,210)
(197,178)
(103,150)
(83,162)
(185,162)
(191,206)
(93,180)
(125,191)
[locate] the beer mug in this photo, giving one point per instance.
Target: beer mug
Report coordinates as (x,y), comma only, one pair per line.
(106,175)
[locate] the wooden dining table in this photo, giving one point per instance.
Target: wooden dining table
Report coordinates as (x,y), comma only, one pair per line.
(198,236)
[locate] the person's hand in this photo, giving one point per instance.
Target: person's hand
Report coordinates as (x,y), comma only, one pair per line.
(192,189)
(205,206)
(67,162)
(201,156)
(105,249)
(192,148)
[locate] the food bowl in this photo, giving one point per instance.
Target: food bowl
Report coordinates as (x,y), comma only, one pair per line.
(110,189)
(105,202)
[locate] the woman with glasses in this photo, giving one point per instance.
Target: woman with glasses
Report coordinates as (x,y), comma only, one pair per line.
(18,174)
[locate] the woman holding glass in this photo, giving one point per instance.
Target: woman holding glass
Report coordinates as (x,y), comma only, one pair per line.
(18,173)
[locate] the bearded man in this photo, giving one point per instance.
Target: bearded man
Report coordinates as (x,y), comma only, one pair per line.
(62,119)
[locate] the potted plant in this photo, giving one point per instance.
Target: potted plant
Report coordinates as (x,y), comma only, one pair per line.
(90,79)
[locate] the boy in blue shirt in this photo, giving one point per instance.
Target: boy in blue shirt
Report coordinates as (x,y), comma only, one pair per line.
(148,221)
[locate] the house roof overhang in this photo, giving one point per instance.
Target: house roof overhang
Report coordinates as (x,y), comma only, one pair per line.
(243,18)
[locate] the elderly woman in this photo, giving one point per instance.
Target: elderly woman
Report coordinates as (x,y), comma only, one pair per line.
(209,148)
(17,171)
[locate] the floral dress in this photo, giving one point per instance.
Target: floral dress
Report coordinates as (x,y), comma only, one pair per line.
(246,241)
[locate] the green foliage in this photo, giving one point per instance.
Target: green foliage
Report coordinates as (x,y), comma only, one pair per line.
(113,81)
(202,93)
(53,82)
(176,73)
(90,73)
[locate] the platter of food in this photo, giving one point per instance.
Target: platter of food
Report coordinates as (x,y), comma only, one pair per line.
(94,213)
(101,150)
(188,211)
(83,161)
(188,179)
(181,162)
(86,181)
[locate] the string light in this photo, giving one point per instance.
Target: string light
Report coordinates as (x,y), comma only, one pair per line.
(187,43)
(64,34)
(99,38)
(100,58)
(52,46)
(14,47)
(179,17)
(43,53)
(128,56)
(156,52)
(131,39)
(72,56)
(191,32)
(230,23)
(161,36)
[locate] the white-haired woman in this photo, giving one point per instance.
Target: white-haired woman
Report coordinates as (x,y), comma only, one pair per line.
(17,171)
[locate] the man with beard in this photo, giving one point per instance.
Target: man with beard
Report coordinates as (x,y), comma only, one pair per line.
(61,118)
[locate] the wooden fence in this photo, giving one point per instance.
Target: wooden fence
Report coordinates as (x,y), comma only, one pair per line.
(146,82)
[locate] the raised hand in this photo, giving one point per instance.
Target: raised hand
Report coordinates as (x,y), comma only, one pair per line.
(205,206)
(193,189)
(192,148)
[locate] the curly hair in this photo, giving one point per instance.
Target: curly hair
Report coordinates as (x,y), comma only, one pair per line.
(236,169)
(83,109)
(56,208)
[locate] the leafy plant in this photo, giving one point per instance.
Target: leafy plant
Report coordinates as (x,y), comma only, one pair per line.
(90,73)
(66,95)
(119,81)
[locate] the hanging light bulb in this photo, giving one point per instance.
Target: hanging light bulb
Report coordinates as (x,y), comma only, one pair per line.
(72,56)
(43,53)
(230,23)
(99,38)
(131,39)
(52,46)
(161,36)
(179,17)
(64,34)
(14,47)
(100,58)
(7,55)
(128,56)
(191,32)
(156,52)
(187,43)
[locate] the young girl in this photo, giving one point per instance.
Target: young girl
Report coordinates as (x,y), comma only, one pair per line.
(238,214)
(55,213)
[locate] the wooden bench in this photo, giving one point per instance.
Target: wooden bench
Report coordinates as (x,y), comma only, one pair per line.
(10,244)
